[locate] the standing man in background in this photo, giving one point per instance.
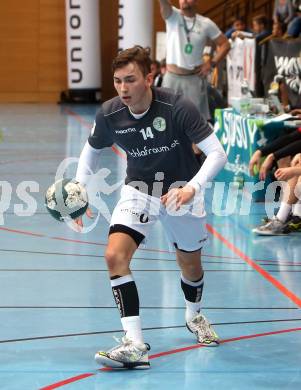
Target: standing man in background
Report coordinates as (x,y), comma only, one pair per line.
(187,34)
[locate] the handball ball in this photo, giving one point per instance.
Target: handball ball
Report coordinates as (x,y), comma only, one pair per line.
(66,198)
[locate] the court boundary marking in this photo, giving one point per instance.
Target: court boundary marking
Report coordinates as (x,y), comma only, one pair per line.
(166,353)
(40,235)
(294,298)
(67,335)
(266,275)
(266,262)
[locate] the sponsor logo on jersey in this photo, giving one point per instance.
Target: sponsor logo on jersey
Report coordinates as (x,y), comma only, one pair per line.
(126,131)
(159,123)
(143,218)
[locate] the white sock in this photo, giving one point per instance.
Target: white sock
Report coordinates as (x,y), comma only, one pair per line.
(297,209)
(192,309)
(132,328)
(284,211)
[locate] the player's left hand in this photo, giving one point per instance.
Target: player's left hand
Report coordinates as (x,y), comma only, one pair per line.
(178,196)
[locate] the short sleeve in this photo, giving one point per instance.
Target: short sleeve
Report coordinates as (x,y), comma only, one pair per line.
(187,119)
(101,136)
(212,30)
(173,17)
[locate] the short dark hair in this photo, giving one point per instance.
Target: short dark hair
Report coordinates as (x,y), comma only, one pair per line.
(238,20)
(156,62)
(163,63)
(260,19)
(136,54)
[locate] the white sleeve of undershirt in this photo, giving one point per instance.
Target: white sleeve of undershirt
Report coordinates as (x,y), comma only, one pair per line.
(87,164)
(215,161)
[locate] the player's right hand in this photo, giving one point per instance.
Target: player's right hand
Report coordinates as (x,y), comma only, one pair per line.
(79,221)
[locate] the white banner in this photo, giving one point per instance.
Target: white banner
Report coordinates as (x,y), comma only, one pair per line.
(135,23)
(241,65)
(160,45)
(83,44)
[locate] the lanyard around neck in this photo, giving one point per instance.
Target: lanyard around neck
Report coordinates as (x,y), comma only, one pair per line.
(188,30)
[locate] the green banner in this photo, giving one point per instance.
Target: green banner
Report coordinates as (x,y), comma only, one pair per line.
(241,137)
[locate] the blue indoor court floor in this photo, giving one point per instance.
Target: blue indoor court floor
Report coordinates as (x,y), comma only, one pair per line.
(56,306)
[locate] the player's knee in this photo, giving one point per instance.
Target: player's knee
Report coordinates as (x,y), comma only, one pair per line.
(116,260)
(190,268)
(193,269)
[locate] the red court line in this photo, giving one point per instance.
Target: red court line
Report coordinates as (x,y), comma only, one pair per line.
(102,244)
(73,240)
(276,262)
(285,291)
(22,232)
(78,117)
(166,353)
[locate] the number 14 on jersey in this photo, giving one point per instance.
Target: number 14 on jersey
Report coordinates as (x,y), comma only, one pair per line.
(147,133)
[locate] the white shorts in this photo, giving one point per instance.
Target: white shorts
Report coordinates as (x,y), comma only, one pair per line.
(137,212)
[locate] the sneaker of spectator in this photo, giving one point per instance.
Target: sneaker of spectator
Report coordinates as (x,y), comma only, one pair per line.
(288,218)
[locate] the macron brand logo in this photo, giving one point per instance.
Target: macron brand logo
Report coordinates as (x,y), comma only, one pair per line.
(126,131)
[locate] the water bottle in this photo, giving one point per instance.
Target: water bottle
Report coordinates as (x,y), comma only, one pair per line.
(245,102)
(238,177)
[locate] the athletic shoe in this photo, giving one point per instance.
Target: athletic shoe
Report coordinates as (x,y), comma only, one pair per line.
(127,355)
(265,220)
(294,224)
(204,332)
(275,227)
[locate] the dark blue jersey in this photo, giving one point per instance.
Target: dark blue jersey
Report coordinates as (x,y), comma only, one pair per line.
(158,145)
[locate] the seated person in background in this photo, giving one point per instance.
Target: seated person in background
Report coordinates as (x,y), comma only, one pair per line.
(159,78)
(155,70)
(278,151)
(288,218)
(261,32)
(297,112)
(294,27)
(290,172)
(278,31)
(283,11)
(260,26)
(238,26)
